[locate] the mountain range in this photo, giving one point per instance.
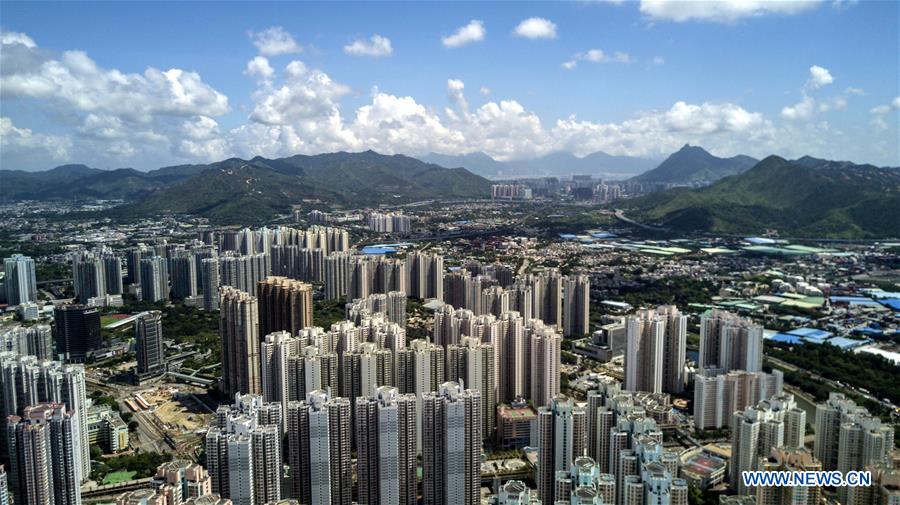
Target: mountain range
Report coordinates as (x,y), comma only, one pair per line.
(251,191)
(557,164)
(695,165)
(807,197)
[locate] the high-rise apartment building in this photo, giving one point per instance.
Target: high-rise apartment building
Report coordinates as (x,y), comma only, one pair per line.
(183,272)
(718,395)
(451,446)
(425,274)
(154,279)
(45,455)
(789,459)
(284,304)
(239,331)
(148,336)
(386,447)
(576,304)
(561,438)
(730,342)
(19,280)
(644,351)
(472,364)
(209,273)
(319,450)
(243,451)
(89,276)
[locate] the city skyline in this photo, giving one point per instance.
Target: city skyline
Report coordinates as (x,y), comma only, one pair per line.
(513,80)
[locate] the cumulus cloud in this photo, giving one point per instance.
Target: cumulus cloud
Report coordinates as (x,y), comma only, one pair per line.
(11,38)
(23,141)
(376,47)
(721,11)
(819,77)
(801,110)
(472,32)
(536,28)
(260,68)
(275,41)
(881,112)
(117,115)
(596,56)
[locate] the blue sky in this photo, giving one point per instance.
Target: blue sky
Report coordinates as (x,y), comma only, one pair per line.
(149,84)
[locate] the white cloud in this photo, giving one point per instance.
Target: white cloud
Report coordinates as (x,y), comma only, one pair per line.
(658,60)
(22,141)
(801,110)
(597,56)
(472,32)
(819,77)
(884,109)
(721,11)
(486,91)
(536,28)
(275,41)
(304,95)
(377,46)
(259,67)
(10,38)
(854,91)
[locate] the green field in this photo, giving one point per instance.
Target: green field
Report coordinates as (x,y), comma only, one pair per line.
(117,477)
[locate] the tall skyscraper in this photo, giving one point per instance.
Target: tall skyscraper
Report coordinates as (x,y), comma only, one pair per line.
(239,330)
(585,483)
(134,255)
(674,349)
(77,331)
(243,451)
(561,438)
(19,281)
(789,459)
(337,275)
(154,279)
(275,351)
(644,351)
(209,269)
(513,350)
(426,275)
(89,276)
(471,363)
(451,446)
(386,447)
(647,474)
(183,272)
(34,340)
(45,455)
(112,268)
(730,342)
(26,380)
(148,336)
(319,450)
(848,437)
(243,272)
(543,357)
(719,395)
(284,304)
(577,305)
(311,370)
(754,433)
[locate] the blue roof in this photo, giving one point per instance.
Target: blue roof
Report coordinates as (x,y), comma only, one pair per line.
(567,236)
(784,338)
(893,303)
(847,343)
(811,333)
(603,234)
(378,250)
(854,300)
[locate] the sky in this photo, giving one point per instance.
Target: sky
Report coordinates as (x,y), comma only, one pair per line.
(144,85)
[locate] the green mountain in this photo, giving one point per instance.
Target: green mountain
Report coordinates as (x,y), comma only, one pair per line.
(806,197)
(241,191)
(80,182)
(693,164)
(556,164)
